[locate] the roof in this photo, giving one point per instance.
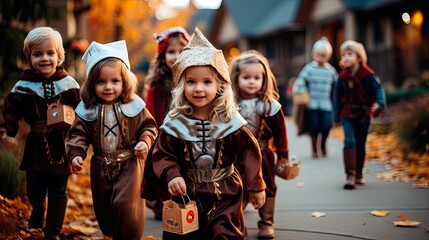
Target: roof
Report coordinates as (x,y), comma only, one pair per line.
(202,17)
(256,17)
(357,5)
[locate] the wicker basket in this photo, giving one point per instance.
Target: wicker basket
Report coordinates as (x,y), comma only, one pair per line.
(287,170)
(301,98)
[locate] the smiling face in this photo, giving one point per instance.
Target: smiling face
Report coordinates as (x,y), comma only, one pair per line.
(44,58)
(109,85)
(250,80)
(200,90)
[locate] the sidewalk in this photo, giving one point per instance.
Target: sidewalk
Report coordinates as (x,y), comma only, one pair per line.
(319,188)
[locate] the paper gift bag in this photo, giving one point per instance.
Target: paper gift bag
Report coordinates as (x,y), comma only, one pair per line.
(179,218)
(60,116)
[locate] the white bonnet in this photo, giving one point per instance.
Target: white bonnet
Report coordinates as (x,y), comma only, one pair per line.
(97,52)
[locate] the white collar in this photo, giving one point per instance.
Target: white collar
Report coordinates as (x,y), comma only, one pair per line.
(130,109)
(186,128)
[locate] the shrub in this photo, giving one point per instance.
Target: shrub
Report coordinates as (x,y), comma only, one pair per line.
(11,178)
(411,124)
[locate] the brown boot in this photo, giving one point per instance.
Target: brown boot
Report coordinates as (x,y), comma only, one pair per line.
(360,162)
(55,218)
(266,224)
(349,155)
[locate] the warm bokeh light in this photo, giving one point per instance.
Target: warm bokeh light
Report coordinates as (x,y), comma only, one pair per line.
(234,52)
(417,18)
(406,18)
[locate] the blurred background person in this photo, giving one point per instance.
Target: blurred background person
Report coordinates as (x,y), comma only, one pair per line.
(318,78)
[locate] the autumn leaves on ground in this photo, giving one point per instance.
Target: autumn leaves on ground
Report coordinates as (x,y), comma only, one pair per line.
(80,222)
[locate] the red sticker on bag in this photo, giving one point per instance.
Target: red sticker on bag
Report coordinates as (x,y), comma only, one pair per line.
(190,216)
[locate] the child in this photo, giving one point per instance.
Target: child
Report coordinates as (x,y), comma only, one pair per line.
(160,81)
(358,95)
(203,145)
(121,131)
(44,160)
(256,89)
(318,77)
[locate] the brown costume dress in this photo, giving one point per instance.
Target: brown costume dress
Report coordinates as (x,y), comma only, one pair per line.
(29,99)
(116,174)
(210,157)
(264,127)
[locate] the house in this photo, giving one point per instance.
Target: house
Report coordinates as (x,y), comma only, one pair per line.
(395,33)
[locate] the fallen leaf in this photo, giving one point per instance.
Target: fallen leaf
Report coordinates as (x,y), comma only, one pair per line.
(300,184)
(380,213)
(84,230)
(403,217)
(318,214)
(408,223)
(421,184)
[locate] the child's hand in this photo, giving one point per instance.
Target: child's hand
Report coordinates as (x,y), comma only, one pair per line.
(375,107)
(77,164)
(177,186)
(141,150)
(257,199)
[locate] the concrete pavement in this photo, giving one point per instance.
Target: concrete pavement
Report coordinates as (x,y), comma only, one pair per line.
(318,188)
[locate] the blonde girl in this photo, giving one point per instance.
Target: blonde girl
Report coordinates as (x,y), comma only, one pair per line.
(203,145)
(121,131)
(256,88)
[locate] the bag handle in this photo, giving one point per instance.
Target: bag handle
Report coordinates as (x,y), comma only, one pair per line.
(189,199)
(183,199)
(55,104)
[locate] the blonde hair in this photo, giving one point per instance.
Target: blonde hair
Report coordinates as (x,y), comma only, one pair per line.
(355,47)
(129,80)
(269,90)
(224,106)
(42,34)
(323,45)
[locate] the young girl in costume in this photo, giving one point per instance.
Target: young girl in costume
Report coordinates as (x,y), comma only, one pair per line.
(358,96)
(318,77)
(47,168)
(256,89)
(160,82)
(160,78)
(121,131)
(203,145)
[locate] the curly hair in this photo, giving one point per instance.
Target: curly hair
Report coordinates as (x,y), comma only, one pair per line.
(224,106)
